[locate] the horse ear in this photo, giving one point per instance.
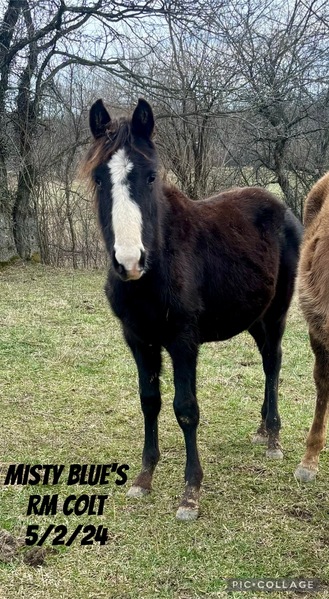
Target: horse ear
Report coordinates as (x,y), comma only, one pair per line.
(142,122)
(99,118)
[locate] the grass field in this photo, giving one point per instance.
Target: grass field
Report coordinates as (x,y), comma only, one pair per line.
(69,395)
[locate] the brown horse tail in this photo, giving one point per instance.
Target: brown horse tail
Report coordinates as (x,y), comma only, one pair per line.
(315,200)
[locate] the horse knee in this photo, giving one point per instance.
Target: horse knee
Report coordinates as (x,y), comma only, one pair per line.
(187,413)
(151,405)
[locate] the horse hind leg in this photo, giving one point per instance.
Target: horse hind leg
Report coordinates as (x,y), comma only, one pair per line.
(268,337)
(269,340)
(307,469)
(272,356)
(261,435)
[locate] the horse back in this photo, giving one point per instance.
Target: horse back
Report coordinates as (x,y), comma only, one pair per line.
(241,229)
(228,252)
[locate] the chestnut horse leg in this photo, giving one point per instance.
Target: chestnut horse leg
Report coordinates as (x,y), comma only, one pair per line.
(307,469)
(148,360)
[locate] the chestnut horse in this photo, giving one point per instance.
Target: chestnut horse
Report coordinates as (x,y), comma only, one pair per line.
(185,272)
(313,286)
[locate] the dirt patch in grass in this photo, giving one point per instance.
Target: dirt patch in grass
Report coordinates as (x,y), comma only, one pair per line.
(301,513)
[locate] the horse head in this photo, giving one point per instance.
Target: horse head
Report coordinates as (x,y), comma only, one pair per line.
(123,168)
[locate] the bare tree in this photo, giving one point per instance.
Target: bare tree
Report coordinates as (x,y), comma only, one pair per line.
(38,39)
(65,212)
(186,122)
(281,54)
(240,88)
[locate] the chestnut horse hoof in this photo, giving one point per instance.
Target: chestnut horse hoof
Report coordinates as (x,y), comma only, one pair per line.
(185,514)
(136,492)
(305,475)
(274,454)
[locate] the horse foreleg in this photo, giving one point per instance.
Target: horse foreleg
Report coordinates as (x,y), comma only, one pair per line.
(187,413)
(316,439)
(148,361)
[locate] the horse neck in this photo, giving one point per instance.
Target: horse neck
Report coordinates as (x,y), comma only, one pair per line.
(174,198)
(172,206)
(177,207)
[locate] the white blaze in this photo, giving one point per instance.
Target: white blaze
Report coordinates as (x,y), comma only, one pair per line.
(126,214)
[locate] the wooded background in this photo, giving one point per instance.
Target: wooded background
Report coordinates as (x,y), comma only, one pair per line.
(240,90)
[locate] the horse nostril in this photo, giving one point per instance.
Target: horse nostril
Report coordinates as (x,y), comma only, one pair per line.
(142,259)
(127,266)
(118,267)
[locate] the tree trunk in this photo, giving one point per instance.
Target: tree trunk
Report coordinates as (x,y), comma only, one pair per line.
(8,250)
(7,244)
(24,211)
(25,218)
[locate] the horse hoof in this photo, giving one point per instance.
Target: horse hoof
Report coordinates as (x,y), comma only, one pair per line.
(185,514)
(274,454)
(136,492)
(259,439)
(305,475)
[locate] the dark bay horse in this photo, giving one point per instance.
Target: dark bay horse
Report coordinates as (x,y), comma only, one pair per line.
(185,272)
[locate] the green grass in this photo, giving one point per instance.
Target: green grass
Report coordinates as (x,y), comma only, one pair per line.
(69,395)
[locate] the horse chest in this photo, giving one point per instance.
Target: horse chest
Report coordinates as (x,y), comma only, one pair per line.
(139,309)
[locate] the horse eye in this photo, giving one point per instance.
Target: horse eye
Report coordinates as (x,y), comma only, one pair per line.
(151,178)
(98,182)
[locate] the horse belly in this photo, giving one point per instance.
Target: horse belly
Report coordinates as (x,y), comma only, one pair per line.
(229,318)
(216,330)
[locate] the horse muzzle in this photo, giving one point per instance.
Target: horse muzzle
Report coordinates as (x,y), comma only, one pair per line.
(132,270)
(134,275)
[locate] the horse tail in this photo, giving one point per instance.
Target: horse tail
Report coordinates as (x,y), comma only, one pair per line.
(293,232)
(315,199)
